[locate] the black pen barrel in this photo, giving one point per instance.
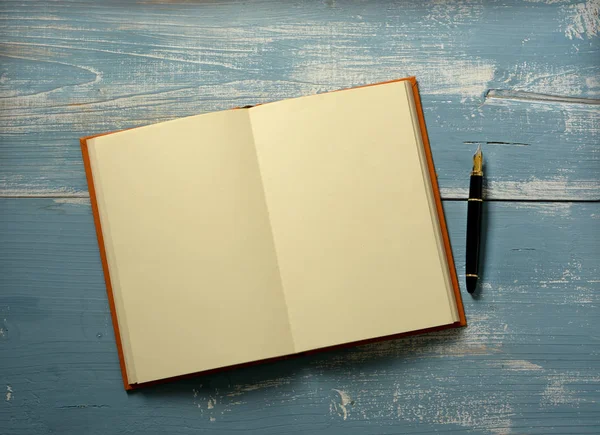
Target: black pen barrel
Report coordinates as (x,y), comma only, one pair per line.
(475,205)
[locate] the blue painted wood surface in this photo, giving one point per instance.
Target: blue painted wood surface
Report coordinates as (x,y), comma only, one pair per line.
(523,78)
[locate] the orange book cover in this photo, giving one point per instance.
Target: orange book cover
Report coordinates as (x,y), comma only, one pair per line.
(440,214)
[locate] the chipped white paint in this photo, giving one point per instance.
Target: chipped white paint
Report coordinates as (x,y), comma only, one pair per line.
(428,398)
(562,209)
(468,79)
(72,201)
(562,388)
(213,419)
(2,333)
(444,403)
(519,365)
(533,77)
(437,76)
(578,120)
(556,393)
(33,191)
(341,406)
(451,11)
(486,286)
(593,83)
(211,403)
(581,20)
(9,393)
(567,276)
(548,2)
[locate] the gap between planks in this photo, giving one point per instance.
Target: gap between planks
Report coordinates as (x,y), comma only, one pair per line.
(453,199)
(506,94)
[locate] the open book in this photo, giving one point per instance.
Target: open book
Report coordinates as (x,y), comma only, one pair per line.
(250,234)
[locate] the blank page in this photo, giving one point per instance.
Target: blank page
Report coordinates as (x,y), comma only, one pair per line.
(350,216)
(184,217)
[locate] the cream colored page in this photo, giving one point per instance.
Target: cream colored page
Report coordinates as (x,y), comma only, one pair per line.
(191,240)
(350,216)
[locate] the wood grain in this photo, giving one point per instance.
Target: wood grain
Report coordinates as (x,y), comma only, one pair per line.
(527,363)
(519,77)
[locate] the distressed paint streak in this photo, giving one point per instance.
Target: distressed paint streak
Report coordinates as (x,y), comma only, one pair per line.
(581,20)
(577,121)
(444,77)
(73,201)
(573,290)
(560,390)
(451,11)
(181,59)
(34,191)
(9,393)
(444,403)
(341,407)
(535,81)
(430,398)
(548,2)
(562,209)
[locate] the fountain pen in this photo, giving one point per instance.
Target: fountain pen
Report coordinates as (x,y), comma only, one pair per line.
(475,204)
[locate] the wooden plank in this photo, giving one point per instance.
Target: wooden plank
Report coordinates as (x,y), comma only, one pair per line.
(77,68)
(527,362)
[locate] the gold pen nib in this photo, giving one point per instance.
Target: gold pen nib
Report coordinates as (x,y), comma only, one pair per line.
(477,162)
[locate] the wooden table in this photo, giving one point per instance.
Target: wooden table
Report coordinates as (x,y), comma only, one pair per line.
(522,79)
